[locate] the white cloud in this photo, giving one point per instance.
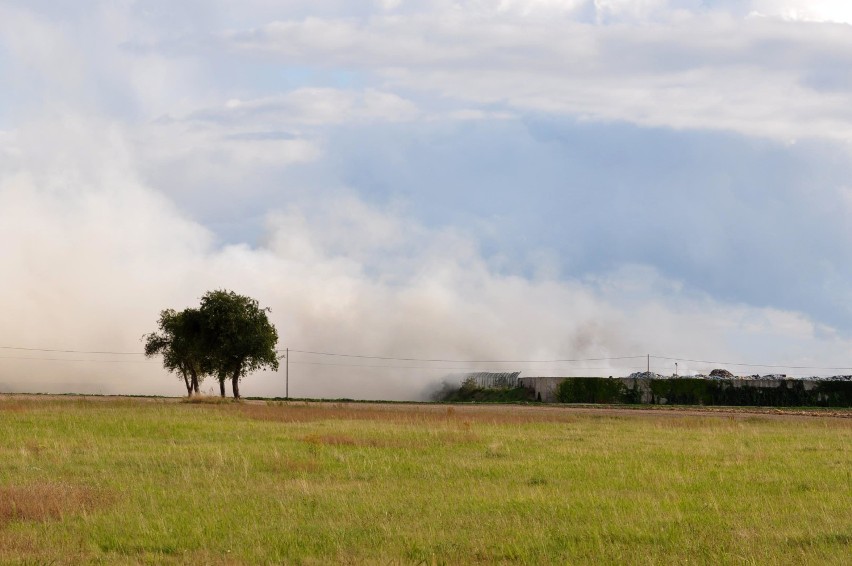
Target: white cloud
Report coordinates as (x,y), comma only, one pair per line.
(41,47)
(198,155)
(632,9)
(669,63)
(217,149)
(389,4)
(837,11)
(703,70)
(85,62)
(528,7)
(311,107)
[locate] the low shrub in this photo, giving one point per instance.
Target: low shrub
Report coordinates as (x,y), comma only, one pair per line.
(469,392)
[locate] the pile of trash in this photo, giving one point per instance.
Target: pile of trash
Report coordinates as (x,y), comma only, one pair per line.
(646,375)
(770,376)
(824,378)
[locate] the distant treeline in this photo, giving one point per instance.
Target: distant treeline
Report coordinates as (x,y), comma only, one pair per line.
(687,391)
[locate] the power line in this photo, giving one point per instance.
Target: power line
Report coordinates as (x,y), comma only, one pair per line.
(433,368)
(78,360)
(360,356)
(71,351)
(457,361)
(747,365)
(411,359)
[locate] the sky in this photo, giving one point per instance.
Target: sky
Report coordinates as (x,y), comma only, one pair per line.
(522,180)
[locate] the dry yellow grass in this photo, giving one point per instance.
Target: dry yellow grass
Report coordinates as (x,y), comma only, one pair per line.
(47,501)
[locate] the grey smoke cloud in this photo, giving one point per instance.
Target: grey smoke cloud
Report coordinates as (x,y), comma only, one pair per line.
(91,255)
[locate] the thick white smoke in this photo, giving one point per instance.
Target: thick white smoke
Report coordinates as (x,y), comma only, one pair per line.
(90,255)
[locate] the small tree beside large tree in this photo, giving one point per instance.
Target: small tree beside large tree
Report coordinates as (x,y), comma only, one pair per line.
(181,343)
(229,336)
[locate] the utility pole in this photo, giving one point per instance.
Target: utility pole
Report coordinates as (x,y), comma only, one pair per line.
(676,375)
(287,373)
(649,363)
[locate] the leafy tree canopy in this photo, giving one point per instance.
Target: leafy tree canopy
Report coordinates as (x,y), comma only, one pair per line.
(238,335)
(229,336)
(181,343)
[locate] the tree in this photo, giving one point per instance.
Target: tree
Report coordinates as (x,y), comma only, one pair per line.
(239,338)
(182,345)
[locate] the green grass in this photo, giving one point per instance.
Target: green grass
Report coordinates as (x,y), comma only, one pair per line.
(139,481)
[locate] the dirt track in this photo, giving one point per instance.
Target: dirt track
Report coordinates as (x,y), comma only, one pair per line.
(640,411)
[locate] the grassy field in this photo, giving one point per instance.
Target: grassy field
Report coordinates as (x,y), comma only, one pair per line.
(141,481)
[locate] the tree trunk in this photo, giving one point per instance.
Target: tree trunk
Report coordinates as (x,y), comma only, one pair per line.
(188,385)
(222,386)
(194,381)
(235,380)
(235,383)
